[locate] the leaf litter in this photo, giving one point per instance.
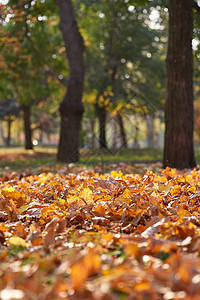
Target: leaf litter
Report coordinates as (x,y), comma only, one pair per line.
(81,234)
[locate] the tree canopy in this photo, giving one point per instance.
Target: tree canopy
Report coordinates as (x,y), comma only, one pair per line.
(124,61)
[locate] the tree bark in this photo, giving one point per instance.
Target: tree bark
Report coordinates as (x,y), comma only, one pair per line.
(9,122)
(102,113)
(122,131)
(115,143)
(178,148)
(71,108)
(27,126)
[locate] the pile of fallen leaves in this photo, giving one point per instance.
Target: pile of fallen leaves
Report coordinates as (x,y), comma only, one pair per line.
(94,236)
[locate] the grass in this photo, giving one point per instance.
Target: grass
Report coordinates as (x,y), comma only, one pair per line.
(17,158)
(123,155)
(44,158)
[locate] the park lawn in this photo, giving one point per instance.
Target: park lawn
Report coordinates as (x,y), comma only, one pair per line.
(100,233)
(44,159)
(16,157)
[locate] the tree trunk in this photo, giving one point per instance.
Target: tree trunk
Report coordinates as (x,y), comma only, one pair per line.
(71,108)
(115,133)
(122,131)
(9,122)
(101,113)
(2,133)
(27,126)
(178,148)
(3,137)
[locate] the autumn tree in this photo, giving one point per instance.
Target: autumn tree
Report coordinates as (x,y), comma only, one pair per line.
(30,67)
(178,148)
(71,108)
(123,56)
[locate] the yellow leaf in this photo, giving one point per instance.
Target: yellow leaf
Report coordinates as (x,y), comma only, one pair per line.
(191,190)
(9,189)
(23,208)
(163,188)
(175,190)
(61,201)
(115,174)
(17,241)
(127,193)
(87,195)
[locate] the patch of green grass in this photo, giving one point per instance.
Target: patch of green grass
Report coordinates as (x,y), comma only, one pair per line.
(197,156)
(20,149)
(31,163)
(44,158)
(18,159)
(124,155)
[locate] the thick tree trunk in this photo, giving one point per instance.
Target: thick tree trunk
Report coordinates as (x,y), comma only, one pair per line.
(178,148)
(27,126)
(101,113)
(71,108)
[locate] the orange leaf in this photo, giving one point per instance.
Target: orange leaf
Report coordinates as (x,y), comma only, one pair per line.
(87,266)
(87,195)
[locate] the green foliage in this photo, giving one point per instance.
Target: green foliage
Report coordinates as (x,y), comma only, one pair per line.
(30,51)
(123,52)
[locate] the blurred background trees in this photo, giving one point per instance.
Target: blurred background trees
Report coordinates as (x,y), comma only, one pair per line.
(124,64)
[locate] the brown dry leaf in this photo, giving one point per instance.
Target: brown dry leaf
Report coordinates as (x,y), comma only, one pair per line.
(49,237)
(104,184)
(61,225)
(20,230)
(50,232)
(2,237)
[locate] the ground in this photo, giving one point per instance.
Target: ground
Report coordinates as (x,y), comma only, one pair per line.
(103,232)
